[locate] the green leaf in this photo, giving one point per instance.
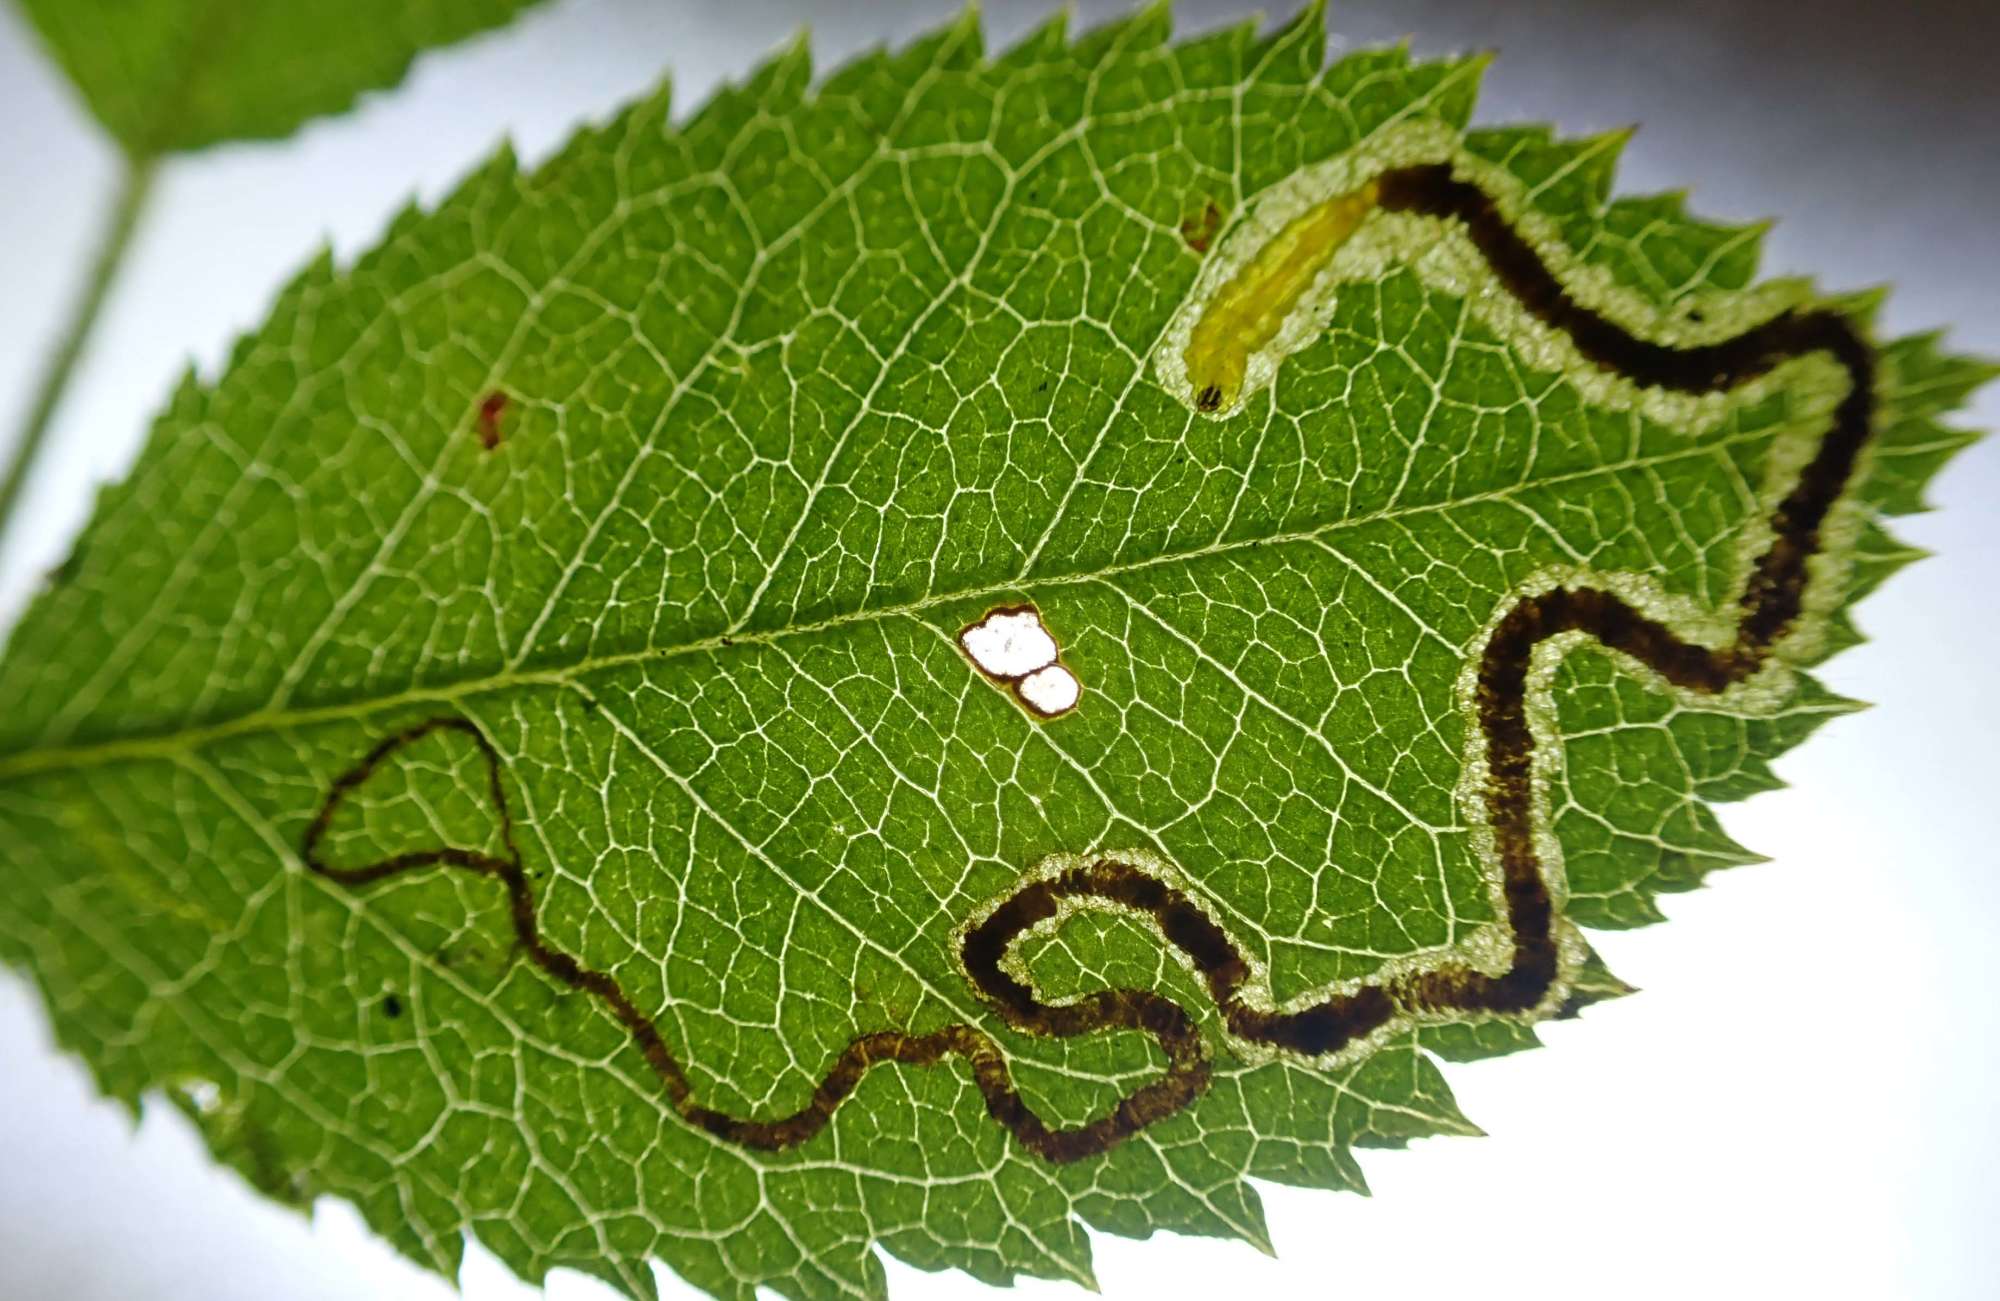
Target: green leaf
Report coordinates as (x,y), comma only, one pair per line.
(513,753)
(170,75)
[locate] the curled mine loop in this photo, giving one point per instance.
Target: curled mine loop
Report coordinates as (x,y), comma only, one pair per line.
(1771,602)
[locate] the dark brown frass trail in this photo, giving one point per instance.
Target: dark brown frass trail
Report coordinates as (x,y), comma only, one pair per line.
(1772,595)
(1772,598)
(984,946)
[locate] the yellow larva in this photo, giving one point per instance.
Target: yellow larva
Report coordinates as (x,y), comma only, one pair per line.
(1247,312)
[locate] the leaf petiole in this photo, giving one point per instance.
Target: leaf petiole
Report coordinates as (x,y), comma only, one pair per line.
(134,186)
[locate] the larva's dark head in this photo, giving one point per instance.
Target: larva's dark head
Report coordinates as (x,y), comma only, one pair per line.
(1209,399)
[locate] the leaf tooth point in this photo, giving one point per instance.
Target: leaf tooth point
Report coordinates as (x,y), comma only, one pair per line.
(1472,65)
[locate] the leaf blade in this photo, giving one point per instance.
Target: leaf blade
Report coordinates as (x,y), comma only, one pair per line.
(171,76)
(812,786)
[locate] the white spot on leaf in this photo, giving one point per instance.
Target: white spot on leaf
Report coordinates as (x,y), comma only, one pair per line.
(1009,643)
(1049,691)
(1012,647)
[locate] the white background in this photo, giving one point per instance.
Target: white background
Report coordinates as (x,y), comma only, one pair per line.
(1800,1102)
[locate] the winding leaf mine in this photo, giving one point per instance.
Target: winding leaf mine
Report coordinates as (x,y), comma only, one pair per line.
(1010,645)
(929,659)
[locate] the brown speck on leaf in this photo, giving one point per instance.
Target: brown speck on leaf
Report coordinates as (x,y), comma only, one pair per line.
(491,408)
(1199,229)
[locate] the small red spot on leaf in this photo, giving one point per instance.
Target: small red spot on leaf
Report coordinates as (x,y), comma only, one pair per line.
(1199,229)
(491,409)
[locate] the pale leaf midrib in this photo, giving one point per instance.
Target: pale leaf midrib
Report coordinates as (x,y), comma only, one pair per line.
(175,738)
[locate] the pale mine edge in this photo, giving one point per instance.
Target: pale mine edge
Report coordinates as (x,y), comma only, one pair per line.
(1451,265)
